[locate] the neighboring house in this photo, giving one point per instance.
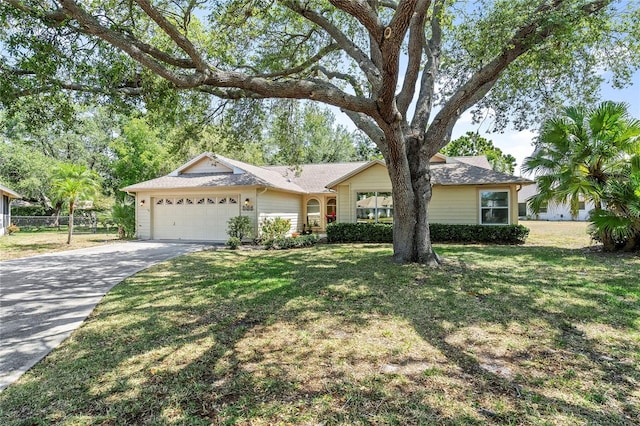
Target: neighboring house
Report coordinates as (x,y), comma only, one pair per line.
(5,207)
(550,211)
(195,201)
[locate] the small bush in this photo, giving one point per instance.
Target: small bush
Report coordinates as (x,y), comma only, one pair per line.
(239,227)
(292,242)
(233,243)
(382,233)
(273,229)
(12,229)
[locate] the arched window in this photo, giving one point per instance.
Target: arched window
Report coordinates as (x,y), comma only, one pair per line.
(331,210)
(313,213)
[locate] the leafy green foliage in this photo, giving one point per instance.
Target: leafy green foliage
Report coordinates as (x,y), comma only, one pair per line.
(233,243)
(591,153)
(338,232)
(306,133)
(473,144)
(618,226)
(285,243)
(508,234)
(27,171)
(276,228)
(239,227)
(123,214)
(139,154)
(382,233)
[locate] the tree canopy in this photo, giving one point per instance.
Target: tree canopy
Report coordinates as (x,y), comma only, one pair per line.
(386,64)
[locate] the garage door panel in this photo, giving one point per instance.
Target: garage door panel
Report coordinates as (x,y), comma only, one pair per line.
(193,218)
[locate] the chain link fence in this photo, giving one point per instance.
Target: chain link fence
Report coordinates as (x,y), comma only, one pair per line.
(81,223)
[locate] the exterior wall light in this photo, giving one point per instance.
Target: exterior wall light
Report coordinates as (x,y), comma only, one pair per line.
(247,206)
(143,202)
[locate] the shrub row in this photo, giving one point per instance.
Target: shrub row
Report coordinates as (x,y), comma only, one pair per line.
(382,233)
(503,234)
(359,233)
(291,242)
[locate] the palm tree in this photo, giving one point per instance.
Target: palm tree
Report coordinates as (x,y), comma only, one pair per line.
(124,215)
(579,152)
(618,227)
(73,183)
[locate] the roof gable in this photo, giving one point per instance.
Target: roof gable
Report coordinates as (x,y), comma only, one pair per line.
(206,163)
(211,170)
(354,172)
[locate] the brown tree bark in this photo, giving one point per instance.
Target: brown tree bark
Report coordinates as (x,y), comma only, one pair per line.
(71,207)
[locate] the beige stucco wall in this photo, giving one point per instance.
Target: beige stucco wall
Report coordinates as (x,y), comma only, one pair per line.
(461,204)
(449,204)
(374,178)
(286,205)
(454,205)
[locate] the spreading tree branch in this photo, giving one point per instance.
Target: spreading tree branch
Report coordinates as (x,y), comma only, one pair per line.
(306,65)
(344,77)
(347,45)
(180,39)
(432,49)
(363,13)
(417,42)
(525,37)
(390,45)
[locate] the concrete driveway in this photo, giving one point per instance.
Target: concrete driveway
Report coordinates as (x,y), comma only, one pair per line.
(44,298)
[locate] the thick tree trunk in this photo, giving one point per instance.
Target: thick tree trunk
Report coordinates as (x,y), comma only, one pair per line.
(411,186)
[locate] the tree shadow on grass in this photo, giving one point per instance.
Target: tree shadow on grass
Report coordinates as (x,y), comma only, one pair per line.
(339,334)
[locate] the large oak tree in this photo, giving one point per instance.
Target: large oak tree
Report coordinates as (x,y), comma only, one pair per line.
(403,71)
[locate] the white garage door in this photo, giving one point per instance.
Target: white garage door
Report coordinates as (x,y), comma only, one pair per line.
(193,218)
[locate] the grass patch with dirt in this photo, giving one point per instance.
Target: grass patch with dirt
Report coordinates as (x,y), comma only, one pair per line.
(25,244)
(338,334)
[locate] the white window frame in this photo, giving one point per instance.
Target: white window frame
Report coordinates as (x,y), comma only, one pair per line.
(480,208)
(377,209)
(319,214)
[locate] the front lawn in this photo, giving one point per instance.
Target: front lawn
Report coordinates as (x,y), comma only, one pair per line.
(527,335)
(24,244)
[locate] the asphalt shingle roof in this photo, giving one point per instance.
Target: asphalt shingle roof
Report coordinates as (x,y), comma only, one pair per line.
(313,178)
(466,174)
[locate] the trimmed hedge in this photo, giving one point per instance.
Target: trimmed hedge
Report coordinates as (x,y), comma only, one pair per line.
(292,242)
(382,233)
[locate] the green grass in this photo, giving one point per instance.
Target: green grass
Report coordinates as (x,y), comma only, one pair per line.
(24,244)
(527,335)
